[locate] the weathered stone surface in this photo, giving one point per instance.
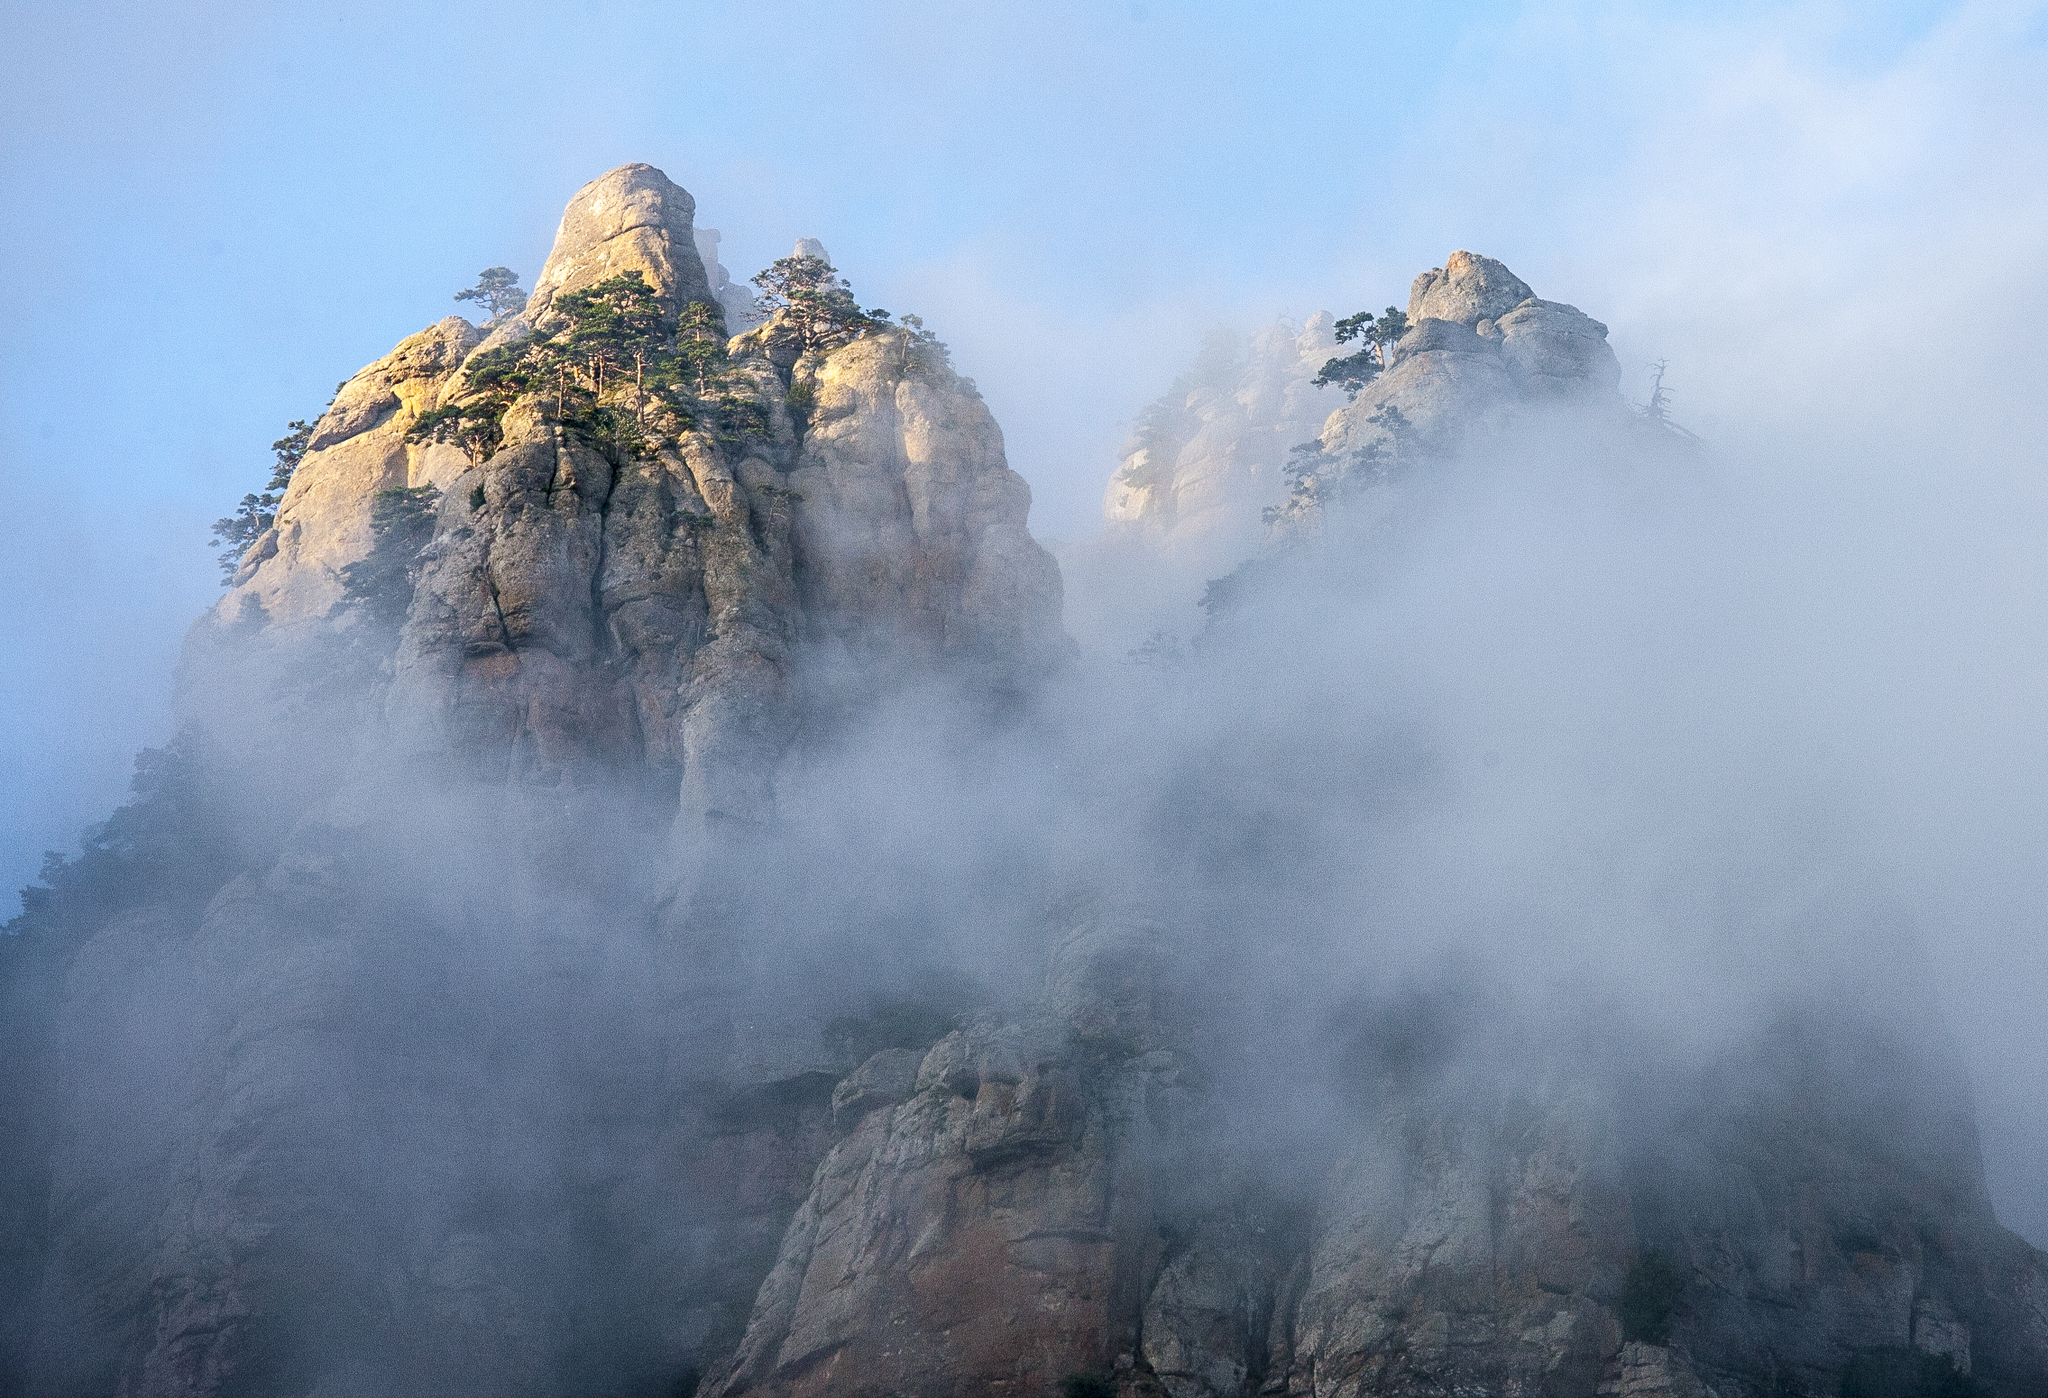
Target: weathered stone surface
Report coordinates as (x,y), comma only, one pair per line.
(586,622)
(442,1092)
(1456,1252)
(632,219)
(1466,290)
(580,614)
(883,1080)
(1544,340)
(909,522)
(1482,353)
(1449,336)
(358,448)
(1214,458)
(969,1241)
(1652,1371)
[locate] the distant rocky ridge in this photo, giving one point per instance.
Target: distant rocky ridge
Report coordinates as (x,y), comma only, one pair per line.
(1209,458)
(461,1046)
(1210,455)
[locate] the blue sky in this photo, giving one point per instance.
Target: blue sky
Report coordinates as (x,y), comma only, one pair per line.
(1830,217)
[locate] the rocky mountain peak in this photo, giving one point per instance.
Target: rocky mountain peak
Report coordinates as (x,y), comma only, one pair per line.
(634,218)
(1467,289)
(1211,458)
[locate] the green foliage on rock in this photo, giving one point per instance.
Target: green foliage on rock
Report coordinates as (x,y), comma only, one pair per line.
(924,353)
(612,328)
(1319,479)
(1352,372)
(700,343)
(473,426)
(497,291)
(170,840)
(380,585)
(233,534)
(814,301)
(612,361)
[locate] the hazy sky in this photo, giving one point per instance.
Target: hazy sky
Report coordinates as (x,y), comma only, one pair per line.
(1830,218)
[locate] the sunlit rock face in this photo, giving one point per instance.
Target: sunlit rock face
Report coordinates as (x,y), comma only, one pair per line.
(632,219)
(579,614)
(1210,459)
(1481,350)
(618,646)
(357,449)
(504,1026)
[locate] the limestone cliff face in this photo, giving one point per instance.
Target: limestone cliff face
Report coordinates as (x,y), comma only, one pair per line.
(1481,348)
(1021,1206)
(632,219)
(580,612)
(1210,455)
(358,449)
(599,633)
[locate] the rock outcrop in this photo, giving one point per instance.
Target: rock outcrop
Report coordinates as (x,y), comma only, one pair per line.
(1211,454)
(1199,480)
(632,219)
(1481,350)
(579,612)
(1023,1216)
(594,632)
(475,1014)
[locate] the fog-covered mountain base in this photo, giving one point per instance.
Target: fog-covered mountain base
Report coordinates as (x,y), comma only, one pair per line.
(648,900)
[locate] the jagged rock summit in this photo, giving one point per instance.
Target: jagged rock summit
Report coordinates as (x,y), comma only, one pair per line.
(579,606)
(632,219)
(1481,346)
(529,977)
(1481,349)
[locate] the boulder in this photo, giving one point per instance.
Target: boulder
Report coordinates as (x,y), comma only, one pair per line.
(632,219)
(1467,289)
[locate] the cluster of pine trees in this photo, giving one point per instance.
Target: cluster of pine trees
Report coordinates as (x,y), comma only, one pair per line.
(623,367)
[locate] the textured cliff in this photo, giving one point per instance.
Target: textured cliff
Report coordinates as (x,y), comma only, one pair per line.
(1028,1203)
(482,711)
(1211,461)
(580,609)
(1211,454)
(1481,349)
(646,904)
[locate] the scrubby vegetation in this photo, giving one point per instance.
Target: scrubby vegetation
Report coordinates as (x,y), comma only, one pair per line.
(233,534)
(1319,478)
(170,838)
(1376,335)
(497,291)
(380,584)
(814,301)
(1166,425)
